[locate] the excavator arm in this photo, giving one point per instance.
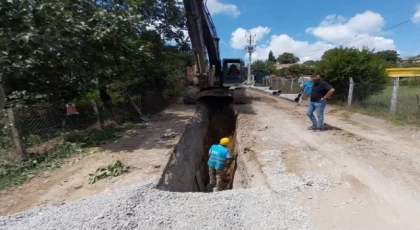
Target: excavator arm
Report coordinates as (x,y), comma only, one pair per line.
(205,42)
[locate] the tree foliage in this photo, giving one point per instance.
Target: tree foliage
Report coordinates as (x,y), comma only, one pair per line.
(271,57)
(309,62)
(390,56)
(266,66)
(364,66)
(59,50)
(287,58)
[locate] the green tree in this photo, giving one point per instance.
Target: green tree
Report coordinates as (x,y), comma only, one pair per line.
(271,57)
(309,62)
(287,58)
(56,51)
(364,66)
(390,56)
(265,66)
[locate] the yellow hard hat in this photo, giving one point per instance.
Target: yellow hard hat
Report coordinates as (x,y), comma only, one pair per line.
(224,141)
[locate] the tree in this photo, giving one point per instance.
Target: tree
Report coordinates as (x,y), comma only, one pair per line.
(271,57)
(390,56)
(287,58)
(309,62)
(300,69)
(365,67)
(266,66)
(57,51)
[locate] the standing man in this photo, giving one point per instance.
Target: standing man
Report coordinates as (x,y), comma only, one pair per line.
(219,154)
(321,91)
(306,91)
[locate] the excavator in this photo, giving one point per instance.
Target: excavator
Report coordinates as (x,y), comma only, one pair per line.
(211,76)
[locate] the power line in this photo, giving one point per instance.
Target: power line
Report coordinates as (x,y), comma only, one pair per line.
(385,29)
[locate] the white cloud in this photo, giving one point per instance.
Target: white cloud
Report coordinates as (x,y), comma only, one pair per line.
(356,30)
(284,43)
(417,14)
(332,31)
(238,40)
(218,7)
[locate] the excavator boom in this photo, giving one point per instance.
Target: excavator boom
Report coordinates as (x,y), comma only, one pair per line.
(210,79)
(204,40)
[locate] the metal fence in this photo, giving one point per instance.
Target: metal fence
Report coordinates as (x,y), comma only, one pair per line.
(399,97)
(287,86)
(30,129)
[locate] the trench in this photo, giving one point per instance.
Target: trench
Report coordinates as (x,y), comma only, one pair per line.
(187,170)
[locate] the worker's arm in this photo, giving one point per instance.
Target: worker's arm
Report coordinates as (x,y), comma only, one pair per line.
(228,155)
(329,93)
(303,88)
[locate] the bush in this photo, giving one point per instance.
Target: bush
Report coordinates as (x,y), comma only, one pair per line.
(338,65)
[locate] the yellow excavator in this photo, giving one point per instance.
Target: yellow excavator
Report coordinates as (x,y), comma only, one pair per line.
(211,76)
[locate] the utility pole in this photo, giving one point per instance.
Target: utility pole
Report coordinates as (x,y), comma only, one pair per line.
(250,48)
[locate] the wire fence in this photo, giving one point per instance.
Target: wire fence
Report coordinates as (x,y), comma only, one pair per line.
(376,99)
(287,86)
(36,129)
(398,98)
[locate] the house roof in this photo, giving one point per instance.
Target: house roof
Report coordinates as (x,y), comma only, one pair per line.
(279,66)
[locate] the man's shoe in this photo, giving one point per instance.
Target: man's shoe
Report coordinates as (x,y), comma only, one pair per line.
(312,128)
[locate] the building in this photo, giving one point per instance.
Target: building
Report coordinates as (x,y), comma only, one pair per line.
(281,66)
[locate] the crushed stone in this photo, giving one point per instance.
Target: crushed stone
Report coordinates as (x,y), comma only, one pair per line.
(142,206)
(283,182)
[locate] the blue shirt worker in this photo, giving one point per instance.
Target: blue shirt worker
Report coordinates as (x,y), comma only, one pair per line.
(218,155)
(306,91)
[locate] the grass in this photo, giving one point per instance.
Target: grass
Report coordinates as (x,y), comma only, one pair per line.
(408,111)
(17,172)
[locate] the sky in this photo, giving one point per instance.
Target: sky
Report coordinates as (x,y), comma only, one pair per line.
(307,28)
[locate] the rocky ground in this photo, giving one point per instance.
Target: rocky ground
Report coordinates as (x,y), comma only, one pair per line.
(362,173)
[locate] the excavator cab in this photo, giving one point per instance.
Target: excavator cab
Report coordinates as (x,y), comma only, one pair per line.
(233,72)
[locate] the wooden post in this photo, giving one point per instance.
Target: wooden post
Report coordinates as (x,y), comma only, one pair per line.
(350,95)
(99,118)
(394,99)
(17,137)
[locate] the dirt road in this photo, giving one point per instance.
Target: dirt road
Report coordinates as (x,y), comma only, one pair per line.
(141,148)
(361,174)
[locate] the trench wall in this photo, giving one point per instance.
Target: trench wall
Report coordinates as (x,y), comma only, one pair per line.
(179,173)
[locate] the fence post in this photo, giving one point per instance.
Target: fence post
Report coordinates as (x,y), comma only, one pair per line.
(393,107)
(99,118)
(291,85)
(17,137)
(350,95)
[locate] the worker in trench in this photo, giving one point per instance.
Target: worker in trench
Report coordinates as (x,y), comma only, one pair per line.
(219,155)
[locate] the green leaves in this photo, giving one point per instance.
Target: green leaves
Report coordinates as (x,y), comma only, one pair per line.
(112,170)
(364,66)
(287,58)
(59,48)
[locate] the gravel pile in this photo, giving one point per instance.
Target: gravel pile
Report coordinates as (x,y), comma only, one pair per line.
(283,182)
(144,207)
